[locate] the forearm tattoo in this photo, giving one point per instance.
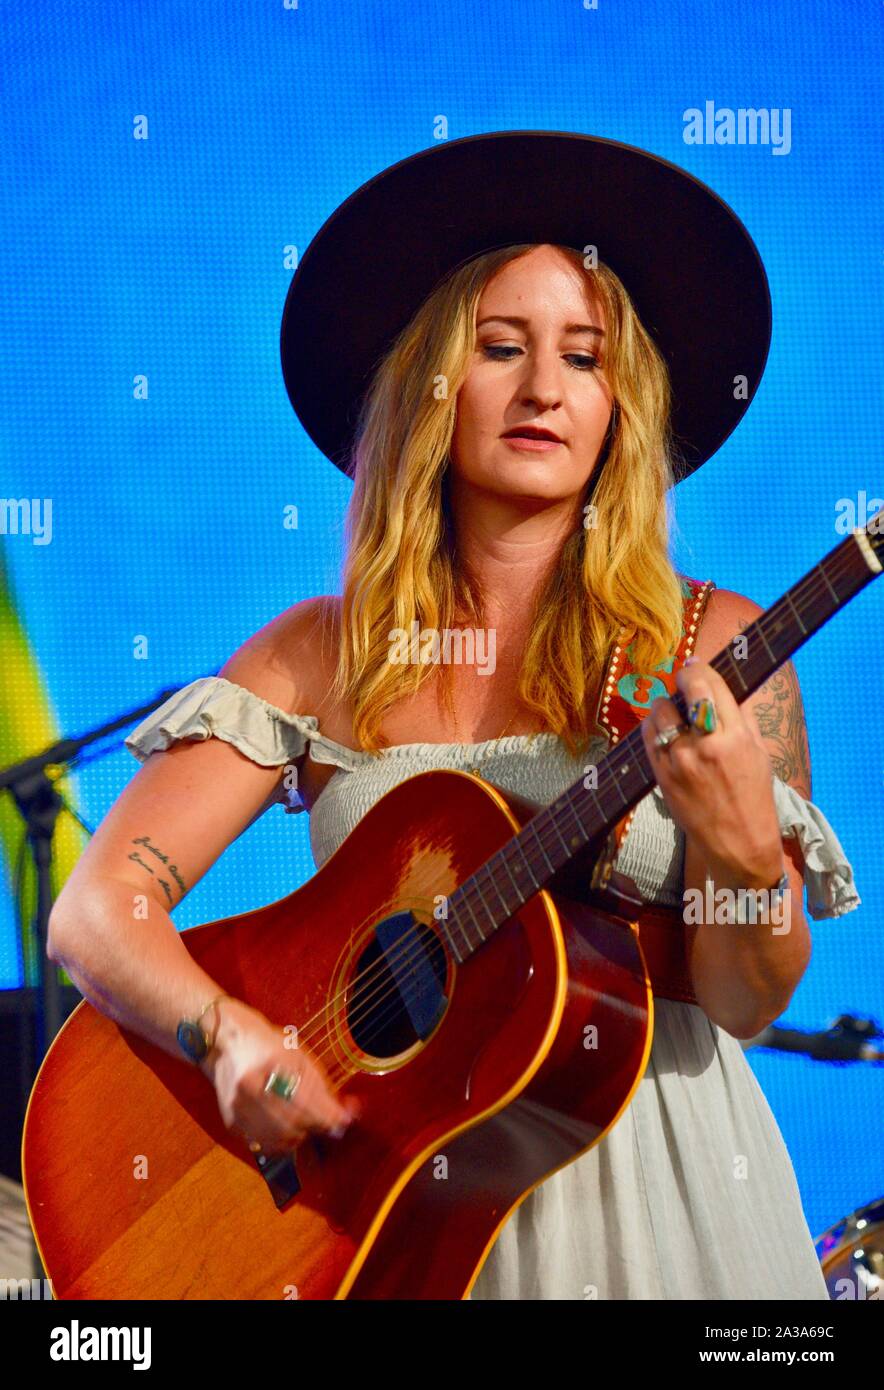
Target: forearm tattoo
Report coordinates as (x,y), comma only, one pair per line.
(171,869)
(781,721)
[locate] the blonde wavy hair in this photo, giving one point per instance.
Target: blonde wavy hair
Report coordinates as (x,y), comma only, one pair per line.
(401,564)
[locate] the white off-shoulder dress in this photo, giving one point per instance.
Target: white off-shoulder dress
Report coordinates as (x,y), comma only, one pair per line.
(691,1194)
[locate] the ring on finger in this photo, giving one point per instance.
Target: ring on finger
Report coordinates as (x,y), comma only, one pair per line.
(702,715)
(669,735)
(282,1084)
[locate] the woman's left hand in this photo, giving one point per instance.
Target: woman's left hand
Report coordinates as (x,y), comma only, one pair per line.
(719,785)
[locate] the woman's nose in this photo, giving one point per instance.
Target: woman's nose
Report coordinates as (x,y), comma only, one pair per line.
(541,382)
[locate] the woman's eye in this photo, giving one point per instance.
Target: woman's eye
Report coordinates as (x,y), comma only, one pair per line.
(586,361)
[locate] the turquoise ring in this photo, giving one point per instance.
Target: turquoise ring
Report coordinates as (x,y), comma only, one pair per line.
(282,1084)
(702,716)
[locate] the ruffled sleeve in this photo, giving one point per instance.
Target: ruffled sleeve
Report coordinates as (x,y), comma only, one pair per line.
(215,707)
(828,875)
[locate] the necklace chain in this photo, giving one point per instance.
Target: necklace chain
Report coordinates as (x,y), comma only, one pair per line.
(489,741)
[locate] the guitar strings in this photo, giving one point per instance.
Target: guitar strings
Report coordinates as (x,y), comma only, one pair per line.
(484,869)
(379,968)
(380,971)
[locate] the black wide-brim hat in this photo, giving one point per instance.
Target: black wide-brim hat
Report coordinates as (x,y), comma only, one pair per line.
(689,265)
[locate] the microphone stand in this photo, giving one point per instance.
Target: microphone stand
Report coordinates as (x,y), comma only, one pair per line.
(848,1039)
(39,804)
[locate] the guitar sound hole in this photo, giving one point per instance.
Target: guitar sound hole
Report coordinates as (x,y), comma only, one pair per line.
(396,995)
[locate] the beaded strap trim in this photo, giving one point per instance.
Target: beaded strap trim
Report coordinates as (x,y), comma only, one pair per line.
(627,694)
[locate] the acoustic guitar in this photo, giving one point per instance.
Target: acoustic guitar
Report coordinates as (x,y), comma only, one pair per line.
(466,964)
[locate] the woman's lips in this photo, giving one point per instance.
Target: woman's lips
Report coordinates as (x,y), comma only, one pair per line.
(533,446)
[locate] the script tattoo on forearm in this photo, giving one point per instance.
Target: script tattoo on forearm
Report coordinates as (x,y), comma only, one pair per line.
(781,721)
(171,869)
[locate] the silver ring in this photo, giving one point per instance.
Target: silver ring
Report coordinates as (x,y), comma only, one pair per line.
(667,736)
(282,1084)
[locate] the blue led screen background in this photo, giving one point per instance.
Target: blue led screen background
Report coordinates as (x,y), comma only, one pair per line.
(166,259)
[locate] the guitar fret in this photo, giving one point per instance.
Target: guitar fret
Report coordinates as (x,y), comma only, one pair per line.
(620,791)
(765,641)
(572,811)
(446,933)
(531,826)
(506,907)
(466,940)
(797,615)
(735,666)
(484,905)
(469,907)
(565,847)
(506,865)
(823,572)
(518,844)
(589,791)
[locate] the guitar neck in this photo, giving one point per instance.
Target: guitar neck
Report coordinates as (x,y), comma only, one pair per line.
(585,813)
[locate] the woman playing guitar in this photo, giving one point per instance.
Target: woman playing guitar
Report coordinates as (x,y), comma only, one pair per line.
(511,468)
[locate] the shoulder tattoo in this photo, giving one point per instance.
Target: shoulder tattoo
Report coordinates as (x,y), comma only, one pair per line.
(779,710)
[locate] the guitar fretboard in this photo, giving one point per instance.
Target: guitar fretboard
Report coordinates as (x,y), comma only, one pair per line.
(583,813)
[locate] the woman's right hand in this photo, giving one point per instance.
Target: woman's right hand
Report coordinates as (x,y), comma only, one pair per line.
(247,1048)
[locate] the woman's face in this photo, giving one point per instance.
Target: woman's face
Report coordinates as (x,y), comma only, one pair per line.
(540,372)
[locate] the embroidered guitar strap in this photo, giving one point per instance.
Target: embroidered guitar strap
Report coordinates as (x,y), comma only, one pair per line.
(625,699)
(627,693)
